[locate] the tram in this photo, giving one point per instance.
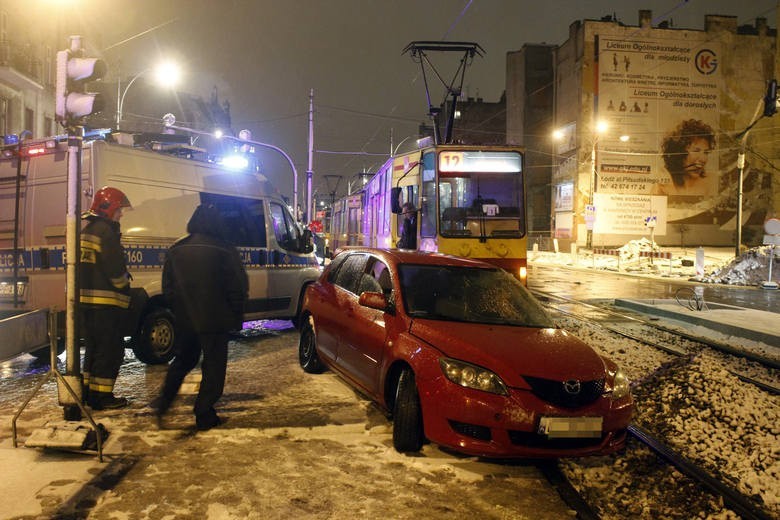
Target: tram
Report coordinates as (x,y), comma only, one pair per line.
(470,202)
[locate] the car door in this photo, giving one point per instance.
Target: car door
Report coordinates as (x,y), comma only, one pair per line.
(332,317)
(322,304)
(362,344)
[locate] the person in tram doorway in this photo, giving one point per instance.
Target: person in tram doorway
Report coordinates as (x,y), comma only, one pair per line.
(409,229)
(104,298)
(205,282)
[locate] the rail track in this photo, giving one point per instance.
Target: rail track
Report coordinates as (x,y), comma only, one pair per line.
(652,329)
(684,347)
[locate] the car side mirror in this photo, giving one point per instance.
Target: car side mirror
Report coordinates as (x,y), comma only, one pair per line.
(307,242)
(374,300)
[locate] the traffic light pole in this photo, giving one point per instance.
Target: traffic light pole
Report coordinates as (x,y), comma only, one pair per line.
(72,253)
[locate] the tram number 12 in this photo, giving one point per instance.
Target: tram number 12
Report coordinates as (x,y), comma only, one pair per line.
(450,161)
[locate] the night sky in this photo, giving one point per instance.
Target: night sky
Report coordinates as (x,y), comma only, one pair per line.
(265,56)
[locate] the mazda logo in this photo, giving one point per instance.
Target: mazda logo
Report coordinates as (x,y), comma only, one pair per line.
(572,386)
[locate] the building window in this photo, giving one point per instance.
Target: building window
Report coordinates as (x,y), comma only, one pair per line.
(3,26)
(4,116)
(28,120)
(47,67)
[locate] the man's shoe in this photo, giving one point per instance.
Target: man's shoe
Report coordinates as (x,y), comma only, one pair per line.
(208,422)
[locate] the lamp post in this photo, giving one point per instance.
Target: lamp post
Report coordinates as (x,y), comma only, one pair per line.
(167,74)
(169,120)
(600,128)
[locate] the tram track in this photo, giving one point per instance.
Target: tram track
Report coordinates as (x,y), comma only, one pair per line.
(695,343)
(683,349)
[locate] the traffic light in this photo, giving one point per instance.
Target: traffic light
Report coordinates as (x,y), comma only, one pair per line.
(72,101)
(770,100)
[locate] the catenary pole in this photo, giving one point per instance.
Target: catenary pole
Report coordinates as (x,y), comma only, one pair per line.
(310,171)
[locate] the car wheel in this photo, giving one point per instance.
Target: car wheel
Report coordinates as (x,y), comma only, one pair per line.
(408,435)
(155,340)
(307,349)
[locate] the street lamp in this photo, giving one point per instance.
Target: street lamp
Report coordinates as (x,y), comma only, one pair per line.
(166,74)
(169,120)
(599,129)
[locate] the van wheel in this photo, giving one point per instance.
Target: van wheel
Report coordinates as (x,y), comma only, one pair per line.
(155,340)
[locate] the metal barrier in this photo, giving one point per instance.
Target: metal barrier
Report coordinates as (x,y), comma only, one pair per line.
(22,333)
(608,252)
(657,254)
(51,438)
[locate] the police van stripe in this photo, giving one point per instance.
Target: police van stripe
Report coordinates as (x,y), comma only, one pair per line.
(145,257)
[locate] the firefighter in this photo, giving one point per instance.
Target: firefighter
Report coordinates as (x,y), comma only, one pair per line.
(104,298)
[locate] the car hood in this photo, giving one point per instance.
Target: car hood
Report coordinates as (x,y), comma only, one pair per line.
(512,352)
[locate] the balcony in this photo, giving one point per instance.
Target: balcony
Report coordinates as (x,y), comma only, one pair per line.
(19,68)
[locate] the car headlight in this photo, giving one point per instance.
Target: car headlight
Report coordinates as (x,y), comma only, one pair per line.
(472,376)
(621,387)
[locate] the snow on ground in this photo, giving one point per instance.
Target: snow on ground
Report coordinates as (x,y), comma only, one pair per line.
(751,268)
(699,408)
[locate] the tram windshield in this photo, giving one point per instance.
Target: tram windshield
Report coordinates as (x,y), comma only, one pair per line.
(480,194)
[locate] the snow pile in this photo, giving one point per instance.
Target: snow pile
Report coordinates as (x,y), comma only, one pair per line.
(631,250)
(751,268)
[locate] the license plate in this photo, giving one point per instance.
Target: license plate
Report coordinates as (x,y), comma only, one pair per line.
(570,427)
(7,289)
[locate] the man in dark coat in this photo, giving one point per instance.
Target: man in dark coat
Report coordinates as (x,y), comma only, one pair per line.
(205,282)
(104,297)
(409,228)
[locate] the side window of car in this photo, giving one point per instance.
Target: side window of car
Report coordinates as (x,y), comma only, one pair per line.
(349,274)
(335,265)
(379,273)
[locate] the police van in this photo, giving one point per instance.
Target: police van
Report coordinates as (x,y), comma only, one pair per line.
(165,181)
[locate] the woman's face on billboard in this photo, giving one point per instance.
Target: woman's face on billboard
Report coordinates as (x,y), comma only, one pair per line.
(696,159)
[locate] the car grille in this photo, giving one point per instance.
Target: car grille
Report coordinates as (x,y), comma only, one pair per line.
(472,430)
(555,392)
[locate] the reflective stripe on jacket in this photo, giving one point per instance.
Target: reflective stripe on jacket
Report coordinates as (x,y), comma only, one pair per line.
(104,277)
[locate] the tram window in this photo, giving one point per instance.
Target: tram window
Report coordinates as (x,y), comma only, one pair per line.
(428,210)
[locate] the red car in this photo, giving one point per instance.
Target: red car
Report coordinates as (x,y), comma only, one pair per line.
(461,354)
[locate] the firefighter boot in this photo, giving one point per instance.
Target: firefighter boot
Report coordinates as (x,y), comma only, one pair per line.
(105,401)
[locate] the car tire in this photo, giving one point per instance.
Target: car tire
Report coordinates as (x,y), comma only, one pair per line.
(408,433)
(307,349)
(154,343)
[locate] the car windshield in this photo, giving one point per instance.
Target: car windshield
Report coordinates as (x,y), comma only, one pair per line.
(468,294)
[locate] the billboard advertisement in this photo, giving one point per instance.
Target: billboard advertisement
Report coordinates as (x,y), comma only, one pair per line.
(664,95)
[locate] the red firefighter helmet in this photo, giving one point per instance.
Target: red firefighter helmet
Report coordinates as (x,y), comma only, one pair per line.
(107,201)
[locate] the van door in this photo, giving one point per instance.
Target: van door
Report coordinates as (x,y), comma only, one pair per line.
(284,256)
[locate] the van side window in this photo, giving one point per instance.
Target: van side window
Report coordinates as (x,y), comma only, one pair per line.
(244,219)
(284,228)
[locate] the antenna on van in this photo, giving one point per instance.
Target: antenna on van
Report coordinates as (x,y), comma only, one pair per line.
(419,52)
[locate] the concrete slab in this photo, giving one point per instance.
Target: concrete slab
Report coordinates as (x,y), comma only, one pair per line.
(753,325)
